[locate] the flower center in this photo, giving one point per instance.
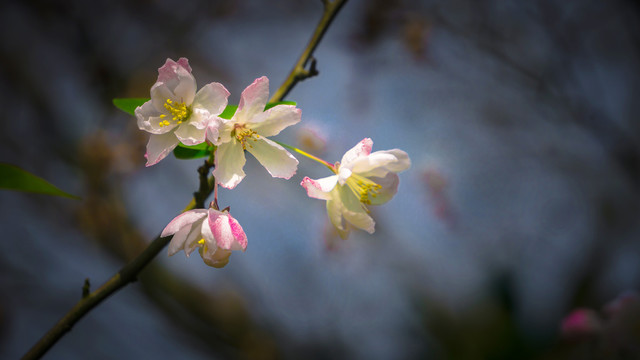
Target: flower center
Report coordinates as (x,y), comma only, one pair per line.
(203,246)
(180,112)
(363,188)
(242,134)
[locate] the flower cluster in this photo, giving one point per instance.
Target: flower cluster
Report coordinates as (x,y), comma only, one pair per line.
(177,113)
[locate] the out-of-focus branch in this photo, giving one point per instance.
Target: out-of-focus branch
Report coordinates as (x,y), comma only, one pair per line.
(300,71)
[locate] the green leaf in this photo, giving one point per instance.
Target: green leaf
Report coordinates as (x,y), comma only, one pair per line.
(270,105)
(228,112)
(14,178)
(129,105)
(192,152)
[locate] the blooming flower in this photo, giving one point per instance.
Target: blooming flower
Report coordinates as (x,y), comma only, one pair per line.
(248,130)
(215,234)
(176,113)
(362,178)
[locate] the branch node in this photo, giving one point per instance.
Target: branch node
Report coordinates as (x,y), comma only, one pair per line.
(86,288)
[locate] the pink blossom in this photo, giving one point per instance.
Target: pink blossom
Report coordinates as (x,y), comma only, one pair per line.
(215,234)
(362,178)
(248,130)
(176,113)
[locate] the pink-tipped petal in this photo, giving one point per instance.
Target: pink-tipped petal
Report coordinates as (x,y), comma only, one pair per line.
(222,231)
(321,188)
(185,219)
(159,147)
(278,161)
(363,148)
(253,99)
(212,97)
(168,71)
(229,161)
(274,120)
(238,234)
(185,88)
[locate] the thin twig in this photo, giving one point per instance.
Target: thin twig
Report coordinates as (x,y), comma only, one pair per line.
(299,71)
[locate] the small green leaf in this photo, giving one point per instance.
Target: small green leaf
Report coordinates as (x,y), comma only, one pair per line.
(192,152)
(270,105)
(14,178)
(129,105)
(228,112)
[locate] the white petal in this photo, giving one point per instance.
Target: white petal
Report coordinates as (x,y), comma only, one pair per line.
(354,212)
(363,148)
(344,173)
(253,100)
(159,95)
(278,161)
(194,237)
(229,161)
(183,220)
(212,97)
(143,113)
(274,120)
(389,185)
(185,89)
(177,242)
(159,147)
(213,130)
(321,188)
(190,135)
(218,258)
(334,211)
(381,162)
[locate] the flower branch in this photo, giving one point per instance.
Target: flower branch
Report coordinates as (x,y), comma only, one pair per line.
(185,120)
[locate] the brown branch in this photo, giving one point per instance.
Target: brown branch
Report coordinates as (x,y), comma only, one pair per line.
(299,71)
(126,275)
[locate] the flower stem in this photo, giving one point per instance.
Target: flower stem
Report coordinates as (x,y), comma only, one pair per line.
(312,157)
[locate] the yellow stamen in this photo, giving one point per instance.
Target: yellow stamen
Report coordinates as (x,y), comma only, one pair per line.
(364,189)
(242,134)
(203,245)
(180,112)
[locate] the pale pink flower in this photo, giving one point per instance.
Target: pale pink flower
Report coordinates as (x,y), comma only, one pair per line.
(176,113)
(248,129)
(215,234)
(362,178)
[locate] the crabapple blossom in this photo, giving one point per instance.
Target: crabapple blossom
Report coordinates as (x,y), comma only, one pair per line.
(215,234)
(362,178)
(248,129)
(176,113)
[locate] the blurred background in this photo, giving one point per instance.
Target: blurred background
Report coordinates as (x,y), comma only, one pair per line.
(515,234)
